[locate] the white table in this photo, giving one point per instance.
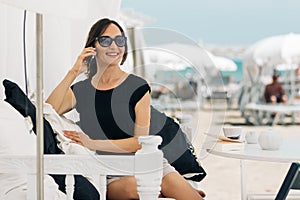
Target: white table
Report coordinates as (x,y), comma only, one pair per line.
(288,152)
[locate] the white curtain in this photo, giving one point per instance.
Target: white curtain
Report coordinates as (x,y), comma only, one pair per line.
(64,39)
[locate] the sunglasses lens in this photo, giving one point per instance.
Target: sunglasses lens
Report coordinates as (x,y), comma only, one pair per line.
(105,41)
(120,41)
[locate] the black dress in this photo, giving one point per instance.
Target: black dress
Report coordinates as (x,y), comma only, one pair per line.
(109,114)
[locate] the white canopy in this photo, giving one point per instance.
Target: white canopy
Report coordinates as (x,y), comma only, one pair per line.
(281,52)
(222,63)
(195,55)
(64,38)
(275,50)
(60,36)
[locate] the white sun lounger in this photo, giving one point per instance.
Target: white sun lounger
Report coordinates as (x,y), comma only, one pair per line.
(257,110)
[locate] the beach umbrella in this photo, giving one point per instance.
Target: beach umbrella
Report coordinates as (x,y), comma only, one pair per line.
(166,59)
(222,63)
(279,52)
(275,50)
(193,54)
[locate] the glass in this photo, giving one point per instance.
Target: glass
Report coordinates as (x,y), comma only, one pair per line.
(106,41)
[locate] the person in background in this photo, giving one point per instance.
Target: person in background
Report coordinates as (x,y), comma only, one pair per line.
(297,72)
(297,84)
(274,92)
(114,109)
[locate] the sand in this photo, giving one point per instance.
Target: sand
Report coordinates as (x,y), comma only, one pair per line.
(223,174)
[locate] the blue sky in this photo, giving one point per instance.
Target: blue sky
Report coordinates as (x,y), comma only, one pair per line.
(222,22)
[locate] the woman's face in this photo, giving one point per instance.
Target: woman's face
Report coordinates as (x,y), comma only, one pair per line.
(113,54)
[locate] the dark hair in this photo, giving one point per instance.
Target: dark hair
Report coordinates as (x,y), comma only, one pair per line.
(97,29)
(275,77)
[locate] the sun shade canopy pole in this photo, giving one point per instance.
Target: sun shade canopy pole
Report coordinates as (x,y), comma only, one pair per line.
(39,110)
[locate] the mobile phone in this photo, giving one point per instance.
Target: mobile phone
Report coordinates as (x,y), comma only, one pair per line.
(88,59)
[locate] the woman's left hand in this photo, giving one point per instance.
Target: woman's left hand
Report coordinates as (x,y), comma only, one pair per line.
(78,137)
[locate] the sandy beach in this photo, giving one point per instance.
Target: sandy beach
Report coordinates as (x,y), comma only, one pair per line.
(223,174)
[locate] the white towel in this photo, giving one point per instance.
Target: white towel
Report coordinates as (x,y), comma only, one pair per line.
(60,123)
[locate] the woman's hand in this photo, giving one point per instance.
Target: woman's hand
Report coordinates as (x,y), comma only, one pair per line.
(81,65)
(78,138)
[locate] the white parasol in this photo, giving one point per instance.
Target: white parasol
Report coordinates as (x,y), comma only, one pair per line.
(193,54)
(272,51)
(280,52)
(222,63)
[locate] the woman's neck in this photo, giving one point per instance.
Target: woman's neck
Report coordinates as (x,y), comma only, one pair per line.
(108,77)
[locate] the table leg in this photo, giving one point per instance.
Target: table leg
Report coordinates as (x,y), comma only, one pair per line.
(260,117)
(276,119)
(243,181)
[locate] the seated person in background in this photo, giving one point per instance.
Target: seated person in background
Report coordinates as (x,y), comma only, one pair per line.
(274,92)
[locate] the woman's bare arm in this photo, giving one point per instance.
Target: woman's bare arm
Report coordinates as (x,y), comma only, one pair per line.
(62,98)
(142,111)
(142,116)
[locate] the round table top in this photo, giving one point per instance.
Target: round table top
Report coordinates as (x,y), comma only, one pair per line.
(289,151)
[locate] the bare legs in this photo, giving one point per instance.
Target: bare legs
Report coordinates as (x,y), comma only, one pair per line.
(173,186)
(124,188)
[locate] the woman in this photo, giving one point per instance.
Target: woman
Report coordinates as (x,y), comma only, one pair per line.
(114,108)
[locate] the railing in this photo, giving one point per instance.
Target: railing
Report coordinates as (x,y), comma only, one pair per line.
(146,165)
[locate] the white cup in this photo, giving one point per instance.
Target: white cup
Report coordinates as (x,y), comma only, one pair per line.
(251,137)
(232,132)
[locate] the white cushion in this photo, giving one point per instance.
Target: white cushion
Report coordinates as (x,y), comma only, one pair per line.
(16,139)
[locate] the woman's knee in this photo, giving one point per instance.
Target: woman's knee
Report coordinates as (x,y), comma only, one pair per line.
(273,99)
(131,191)
(125,188)
(170,180)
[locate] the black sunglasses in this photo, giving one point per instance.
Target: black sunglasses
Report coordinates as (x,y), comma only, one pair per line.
(106,41)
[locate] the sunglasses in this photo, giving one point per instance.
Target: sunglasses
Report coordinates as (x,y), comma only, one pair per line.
(106,41)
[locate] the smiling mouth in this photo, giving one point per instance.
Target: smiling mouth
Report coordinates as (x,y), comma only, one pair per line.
(112,54)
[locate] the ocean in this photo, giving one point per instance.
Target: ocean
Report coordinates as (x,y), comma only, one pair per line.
(238,74)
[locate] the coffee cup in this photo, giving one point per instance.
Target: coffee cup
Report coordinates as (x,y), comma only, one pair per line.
(232,132)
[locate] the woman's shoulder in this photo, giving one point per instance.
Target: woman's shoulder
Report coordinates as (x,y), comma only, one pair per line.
(81,84)
(137,79)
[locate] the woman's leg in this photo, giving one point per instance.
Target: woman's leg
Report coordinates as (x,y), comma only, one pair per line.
(124,188)
(175,186)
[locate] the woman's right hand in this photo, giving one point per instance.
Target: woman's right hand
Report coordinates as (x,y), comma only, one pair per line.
(81,65)
(78,138)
